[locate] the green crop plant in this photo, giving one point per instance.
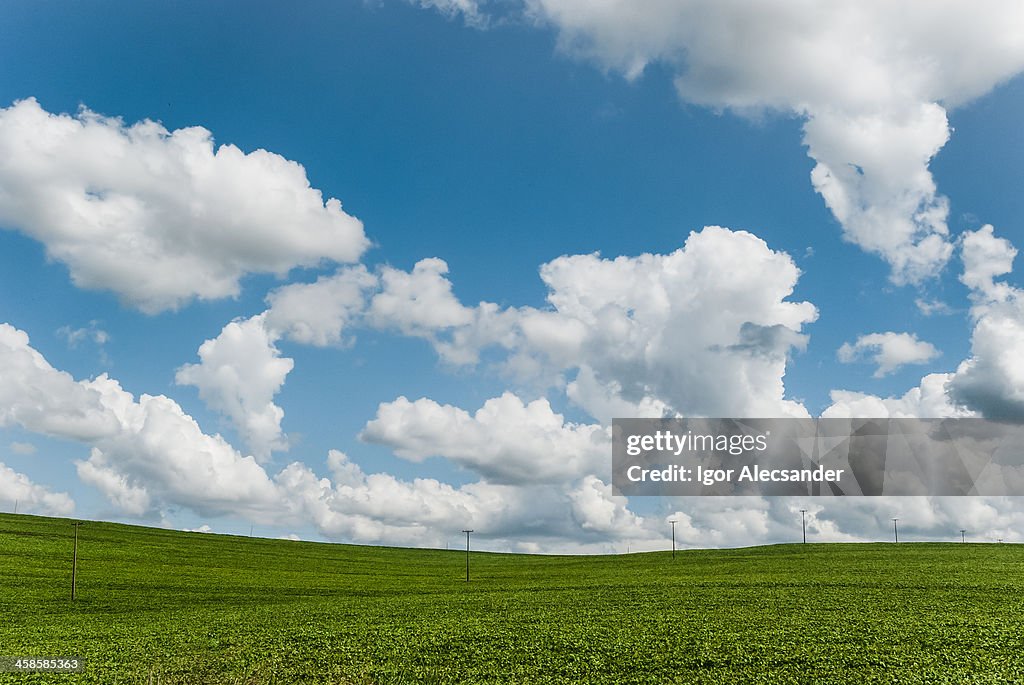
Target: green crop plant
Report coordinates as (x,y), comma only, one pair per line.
(159,606)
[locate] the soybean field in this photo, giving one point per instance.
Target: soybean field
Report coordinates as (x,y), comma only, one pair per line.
(167,607)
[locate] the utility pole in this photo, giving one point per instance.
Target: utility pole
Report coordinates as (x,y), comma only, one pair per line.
(74,562)
(15,506)
(467,532)
(803,523)
(963,535)
(673,522)
(895,530)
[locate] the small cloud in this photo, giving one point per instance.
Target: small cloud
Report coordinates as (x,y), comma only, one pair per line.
(889,351)
(470,10)
(290,536)
(22,448)
(608,112)
(205,528)
(72,336)
(91,333)
(932,307)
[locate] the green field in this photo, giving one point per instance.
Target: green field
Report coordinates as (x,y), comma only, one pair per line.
(171,607)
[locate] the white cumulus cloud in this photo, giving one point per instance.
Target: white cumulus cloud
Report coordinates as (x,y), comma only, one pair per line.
(871,78)
(419,302)
(704,330)
(17,488)
(984,258)
(161,217)
(991,380)
(44,400)
(595,508)
(145,452)
(320,313)
(889,351)
(379,507)
(161,456)
(930,400)
(505,441)
(239,373)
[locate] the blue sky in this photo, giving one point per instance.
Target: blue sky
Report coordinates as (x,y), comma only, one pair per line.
(499,138)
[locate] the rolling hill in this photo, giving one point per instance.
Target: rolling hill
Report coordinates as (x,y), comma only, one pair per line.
(163,606)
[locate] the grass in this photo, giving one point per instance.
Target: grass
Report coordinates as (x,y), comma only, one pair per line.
(158,606)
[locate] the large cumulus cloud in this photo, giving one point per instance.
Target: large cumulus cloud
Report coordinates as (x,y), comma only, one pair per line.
(705,330)
(161,217)
(872,80)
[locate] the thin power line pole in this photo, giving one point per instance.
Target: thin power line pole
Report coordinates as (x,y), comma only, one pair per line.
(803,523)
(673,522)
(74,563)
(963,535)
(467,532)
(895,530)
